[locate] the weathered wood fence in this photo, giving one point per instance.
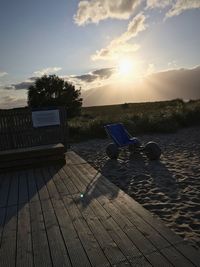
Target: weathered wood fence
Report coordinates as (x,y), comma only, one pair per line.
(17,131)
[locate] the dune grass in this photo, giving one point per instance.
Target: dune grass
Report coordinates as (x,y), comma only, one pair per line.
(151,117)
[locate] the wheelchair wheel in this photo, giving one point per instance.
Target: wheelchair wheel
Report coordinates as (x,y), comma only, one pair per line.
(152,151)
(112,151)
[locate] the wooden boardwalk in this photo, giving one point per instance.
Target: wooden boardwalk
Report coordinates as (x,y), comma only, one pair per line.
(72,216)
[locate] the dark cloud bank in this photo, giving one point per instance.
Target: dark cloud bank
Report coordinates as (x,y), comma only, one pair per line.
(23,85)
(100,74)
(182,83)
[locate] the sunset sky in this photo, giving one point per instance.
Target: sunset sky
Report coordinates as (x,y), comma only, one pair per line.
(93,43)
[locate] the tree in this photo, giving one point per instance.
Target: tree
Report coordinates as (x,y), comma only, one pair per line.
(54,91)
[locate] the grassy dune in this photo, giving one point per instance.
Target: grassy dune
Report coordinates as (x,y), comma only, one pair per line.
(164,116)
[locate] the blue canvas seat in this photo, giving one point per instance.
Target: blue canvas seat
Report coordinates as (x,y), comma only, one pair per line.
(119,135)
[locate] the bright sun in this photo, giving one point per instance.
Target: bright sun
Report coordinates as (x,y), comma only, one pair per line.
(125,67)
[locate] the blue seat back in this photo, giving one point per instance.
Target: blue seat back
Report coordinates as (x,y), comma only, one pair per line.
(118,133)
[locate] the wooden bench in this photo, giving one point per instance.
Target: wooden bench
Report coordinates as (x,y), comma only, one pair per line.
(32,156)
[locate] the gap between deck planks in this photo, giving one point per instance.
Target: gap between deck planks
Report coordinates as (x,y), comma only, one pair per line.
(45,221)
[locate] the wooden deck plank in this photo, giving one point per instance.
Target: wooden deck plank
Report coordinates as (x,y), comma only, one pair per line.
(68,183)
(24,243)
(154,222)
(73,158)
(23,188)
(176,258)
(91,246)
(41,253)
(14,188)
(157,260)
(2,221)
(70,175)
(62,189)
(108,245)
(189,252)
(72,242)
(58,251)
(74,245)
(57,246)
(8,244)
(32,189)
(41,188)
(4,189)
(128,248)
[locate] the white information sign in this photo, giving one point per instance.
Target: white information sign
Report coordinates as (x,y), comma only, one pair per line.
(43,118)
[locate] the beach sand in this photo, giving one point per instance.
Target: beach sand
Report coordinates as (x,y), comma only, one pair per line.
(169,188)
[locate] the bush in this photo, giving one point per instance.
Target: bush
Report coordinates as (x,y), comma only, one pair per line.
(54,91)
(164,117)
(125,106)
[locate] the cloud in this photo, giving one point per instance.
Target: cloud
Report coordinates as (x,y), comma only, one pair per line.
(94,11)
(176,83)
(100,74)
(172,64)
(120,44)
(30,81)
(182,5)
(33,78)
(88,78)
(158,3)
(95,78)
(3,73)
(177,6)
(21,85)
(104,73)
(47,71)
(12,102)
(8,87)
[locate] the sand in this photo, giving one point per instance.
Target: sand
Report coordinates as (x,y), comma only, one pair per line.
(169,188)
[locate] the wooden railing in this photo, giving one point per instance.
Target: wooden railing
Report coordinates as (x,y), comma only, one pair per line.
(17,131)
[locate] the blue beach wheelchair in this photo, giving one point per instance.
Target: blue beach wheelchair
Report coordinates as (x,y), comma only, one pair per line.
(121,138)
